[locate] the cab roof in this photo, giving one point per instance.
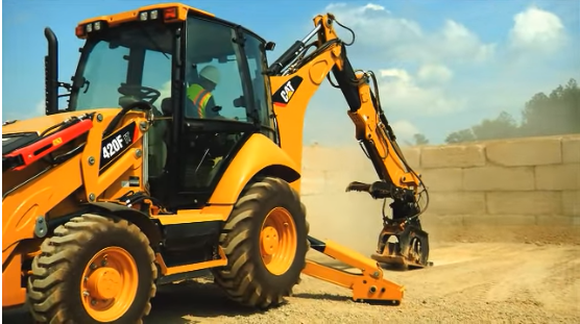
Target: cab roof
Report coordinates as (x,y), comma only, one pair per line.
(169,12)
(131,15)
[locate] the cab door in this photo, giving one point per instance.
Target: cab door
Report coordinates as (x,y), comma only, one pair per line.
(206,145)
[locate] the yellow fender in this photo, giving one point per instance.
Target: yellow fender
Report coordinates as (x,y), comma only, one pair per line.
(258,155)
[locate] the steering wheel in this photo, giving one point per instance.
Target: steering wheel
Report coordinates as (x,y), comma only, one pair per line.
(141,92)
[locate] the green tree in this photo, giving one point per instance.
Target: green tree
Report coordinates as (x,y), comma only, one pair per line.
(558,113)
(420,139)
(504,126)
(464,135)
(543,115)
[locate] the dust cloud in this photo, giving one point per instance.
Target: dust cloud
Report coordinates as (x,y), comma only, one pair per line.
(352,219)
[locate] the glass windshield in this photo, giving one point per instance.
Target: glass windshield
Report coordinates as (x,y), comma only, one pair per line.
(127,63)
(215,78)
(257,64)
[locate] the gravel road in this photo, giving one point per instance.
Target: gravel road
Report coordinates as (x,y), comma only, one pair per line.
(469,283)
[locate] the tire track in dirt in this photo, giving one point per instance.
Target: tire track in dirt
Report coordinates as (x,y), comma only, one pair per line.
(551,279)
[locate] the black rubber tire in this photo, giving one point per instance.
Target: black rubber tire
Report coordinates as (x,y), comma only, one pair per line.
(53,287)
(245,279)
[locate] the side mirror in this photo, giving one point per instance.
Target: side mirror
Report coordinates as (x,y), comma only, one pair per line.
(240,102)
(270,46)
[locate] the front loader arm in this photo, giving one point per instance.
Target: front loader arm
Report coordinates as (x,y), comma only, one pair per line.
(37,182)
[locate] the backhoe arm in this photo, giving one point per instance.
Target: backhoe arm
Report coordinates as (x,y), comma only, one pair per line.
(295,77)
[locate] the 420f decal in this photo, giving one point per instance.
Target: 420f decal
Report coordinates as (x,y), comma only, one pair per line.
(117,143)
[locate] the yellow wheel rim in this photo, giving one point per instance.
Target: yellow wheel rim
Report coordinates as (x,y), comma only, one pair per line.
(278,241)
(109,284)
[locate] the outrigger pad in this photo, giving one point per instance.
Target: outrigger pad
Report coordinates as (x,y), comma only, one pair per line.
(368,286)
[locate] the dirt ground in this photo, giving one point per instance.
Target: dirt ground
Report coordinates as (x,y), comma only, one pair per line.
(481,282)
(469,283)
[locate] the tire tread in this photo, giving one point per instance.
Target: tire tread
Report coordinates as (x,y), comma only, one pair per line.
(50,268)
(238,278)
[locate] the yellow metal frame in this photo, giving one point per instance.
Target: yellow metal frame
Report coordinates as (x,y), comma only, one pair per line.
(369,285)
(206,214)
(132,15)
(167,271)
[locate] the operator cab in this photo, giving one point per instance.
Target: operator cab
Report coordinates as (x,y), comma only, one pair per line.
(168,65)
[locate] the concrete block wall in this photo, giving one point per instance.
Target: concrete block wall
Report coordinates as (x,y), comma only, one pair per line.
(529,181)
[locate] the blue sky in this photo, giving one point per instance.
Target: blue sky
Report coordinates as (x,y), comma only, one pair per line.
(443,65)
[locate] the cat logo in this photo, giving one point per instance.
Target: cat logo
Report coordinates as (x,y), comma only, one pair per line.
(287,92)
(127,138)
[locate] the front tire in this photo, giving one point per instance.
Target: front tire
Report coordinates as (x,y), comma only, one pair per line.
(93,270)
(265,241)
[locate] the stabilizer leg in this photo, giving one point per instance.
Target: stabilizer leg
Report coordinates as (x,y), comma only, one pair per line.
(367,286)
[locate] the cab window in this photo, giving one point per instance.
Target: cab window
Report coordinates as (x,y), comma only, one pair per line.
(213,72)
(159,77)
(257,63)
(126,63)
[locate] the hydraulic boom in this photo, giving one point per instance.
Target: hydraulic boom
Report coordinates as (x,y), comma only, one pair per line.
(402,239)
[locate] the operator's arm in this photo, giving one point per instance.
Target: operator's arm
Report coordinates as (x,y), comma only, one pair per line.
(211,110)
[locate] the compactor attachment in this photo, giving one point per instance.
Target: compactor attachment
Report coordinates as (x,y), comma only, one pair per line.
(402,245)
(402,241)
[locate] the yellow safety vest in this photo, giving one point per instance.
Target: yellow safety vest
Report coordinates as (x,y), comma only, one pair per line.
(199,96)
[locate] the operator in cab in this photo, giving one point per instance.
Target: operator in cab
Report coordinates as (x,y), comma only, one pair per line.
(201,101)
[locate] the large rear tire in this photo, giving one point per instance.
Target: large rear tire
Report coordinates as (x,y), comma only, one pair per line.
(265,241)
(93,270)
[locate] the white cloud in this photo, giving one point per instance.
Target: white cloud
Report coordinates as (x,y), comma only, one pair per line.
(455,40)
(434,73)
(36,110)
(371,6)
(400,74)
(401,93)
(165,92)
(404,130)
(398,38)
(39,109)
(538,30)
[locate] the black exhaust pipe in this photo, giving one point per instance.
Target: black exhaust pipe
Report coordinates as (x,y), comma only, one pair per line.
(51,73)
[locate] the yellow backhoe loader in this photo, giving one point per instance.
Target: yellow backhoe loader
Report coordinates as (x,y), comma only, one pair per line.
(143,179)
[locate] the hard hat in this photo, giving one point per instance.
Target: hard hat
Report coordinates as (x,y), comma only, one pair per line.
(211,73)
